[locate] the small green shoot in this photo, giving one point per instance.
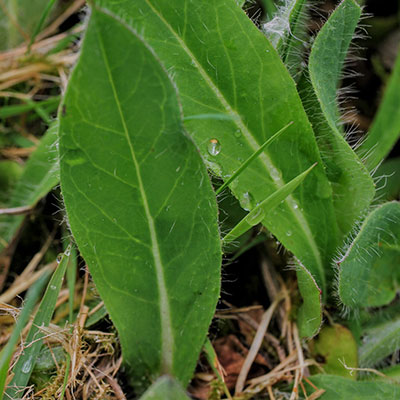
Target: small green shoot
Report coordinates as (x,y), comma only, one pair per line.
(259,212)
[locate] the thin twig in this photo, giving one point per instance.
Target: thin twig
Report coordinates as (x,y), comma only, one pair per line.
(255,346)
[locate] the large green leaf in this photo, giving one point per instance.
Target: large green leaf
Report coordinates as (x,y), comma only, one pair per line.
(368,270)
(39,177)
(139,201)
(385,129)
(339,388)
(206,46)
(352,186)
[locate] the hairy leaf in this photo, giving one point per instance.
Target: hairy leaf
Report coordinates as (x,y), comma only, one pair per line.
(352,186)
(368,270)
(206,45)
(381,337)
(140,202)
(310,312)
(339,388)
(385,129)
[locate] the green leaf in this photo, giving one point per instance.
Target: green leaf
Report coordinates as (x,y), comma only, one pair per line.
(352,186)
(310,313)
(334,348)
(258,213)
(339,388)
(206,46)
(30,301)
(368,269)
(23,368)
(385,129)
(39,177)
(381,337)
(165,388)
(140,202)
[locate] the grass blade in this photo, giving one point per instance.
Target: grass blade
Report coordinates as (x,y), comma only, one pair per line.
(257,214)
(6,353)
(11,111)
(23,368)
(251,158)
(40,24)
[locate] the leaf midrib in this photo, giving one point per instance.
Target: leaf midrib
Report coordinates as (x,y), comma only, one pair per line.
(167,339)
(267,163)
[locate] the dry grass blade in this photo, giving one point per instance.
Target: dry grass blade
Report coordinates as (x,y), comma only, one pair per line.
(266,318)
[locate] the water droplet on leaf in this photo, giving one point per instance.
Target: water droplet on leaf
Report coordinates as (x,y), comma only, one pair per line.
(247,201)
(214,147)
(289,233)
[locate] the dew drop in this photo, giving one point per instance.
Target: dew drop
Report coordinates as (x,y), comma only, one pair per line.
(289,233)
(247,201)
(59,258)
(238,133)
(295,206)
(53,287)
(214,147)
(256,217)
(67,251)
(27,366)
